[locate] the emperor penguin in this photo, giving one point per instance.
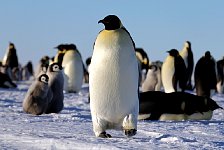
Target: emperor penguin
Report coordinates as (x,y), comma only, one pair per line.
(174,72)
(153,80)
(60,54)
(6,82)
(10,58)
(113,80)
(27,71)
(56,83)
(205,75)
(38,96)
(187,54)
(73,68)
(220,76)
(181,106)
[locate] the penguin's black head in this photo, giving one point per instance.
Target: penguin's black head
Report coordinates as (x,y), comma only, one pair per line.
(88,61)
(11,45)
(111,22)
(189,43)
(207,54)
(153,67)
(44,78)
(55,67)
(173,52)
(60,47)
(72,46)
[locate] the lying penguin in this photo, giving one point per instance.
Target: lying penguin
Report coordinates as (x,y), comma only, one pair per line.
(6,82)
(157,105)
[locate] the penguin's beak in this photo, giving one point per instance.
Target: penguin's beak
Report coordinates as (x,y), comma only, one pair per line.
(101,21)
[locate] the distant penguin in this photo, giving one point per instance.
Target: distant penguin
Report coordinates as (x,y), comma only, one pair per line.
(220,76)
(73,69)
(153,80)
(114,80)
(205,75)
(143,58)
(27,71)
(6,82)
(174,72)
(56,82)
(42,66)
(38,96)
(10,58)
(156,105)
(187,54)
(86,72)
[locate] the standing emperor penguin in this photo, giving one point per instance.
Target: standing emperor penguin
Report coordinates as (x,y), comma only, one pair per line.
(205,75)
(220,76)
(38,96)
(174,72)
(153,80)
(56,82)
(10,58)
(187,54)
(73,69)
(113,80)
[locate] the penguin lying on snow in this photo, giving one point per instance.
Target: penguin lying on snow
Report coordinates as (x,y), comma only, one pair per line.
(38,96)
(6,82)
(113,80)
(157,105)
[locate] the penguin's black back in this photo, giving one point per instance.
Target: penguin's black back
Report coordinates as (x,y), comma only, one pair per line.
(205,76)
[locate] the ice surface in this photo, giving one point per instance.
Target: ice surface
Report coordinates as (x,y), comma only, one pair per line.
(72,128)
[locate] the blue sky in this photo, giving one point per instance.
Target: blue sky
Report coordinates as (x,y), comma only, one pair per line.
(36,27)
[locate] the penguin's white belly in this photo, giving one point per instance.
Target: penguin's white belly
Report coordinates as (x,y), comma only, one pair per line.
(184,55)
(176,117)
(220,88)
(113,79)
(201,116)
(167,74)
(113,92)
(73,71)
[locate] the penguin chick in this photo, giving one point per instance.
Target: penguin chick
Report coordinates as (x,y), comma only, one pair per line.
(38,96)
(153,79)
(113,80)
(56,83)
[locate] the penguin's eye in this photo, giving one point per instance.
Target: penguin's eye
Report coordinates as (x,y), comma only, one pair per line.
(43,79)
(56,68)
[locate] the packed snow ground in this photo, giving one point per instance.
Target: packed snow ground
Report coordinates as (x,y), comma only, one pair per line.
(72,128)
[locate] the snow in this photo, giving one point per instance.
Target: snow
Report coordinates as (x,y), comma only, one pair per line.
(72,128)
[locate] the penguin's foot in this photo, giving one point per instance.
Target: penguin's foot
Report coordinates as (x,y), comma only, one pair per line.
(130,132)
(104,135)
